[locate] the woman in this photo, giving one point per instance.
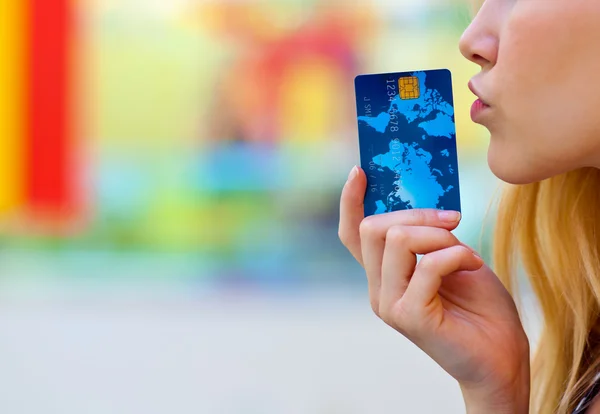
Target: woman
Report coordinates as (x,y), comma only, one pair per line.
(538,96)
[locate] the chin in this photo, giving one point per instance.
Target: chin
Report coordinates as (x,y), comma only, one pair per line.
(511,169)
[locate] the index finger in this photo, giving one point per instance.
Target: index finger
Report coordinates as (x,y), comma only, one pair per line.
(424,217)
(373,229)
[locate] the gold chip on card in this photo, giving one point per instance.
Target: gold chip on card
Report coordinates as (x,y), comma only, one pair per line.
(409,88)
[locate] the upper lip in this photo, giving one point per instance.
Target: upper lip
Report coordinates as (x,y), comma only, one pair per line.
(476,93)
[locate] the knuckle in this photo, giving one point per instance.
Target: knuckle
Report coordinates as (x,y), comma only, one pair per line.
(404,319)
(421,216)
(464,250)
(418,216)
(459,252)
(368,226)
(428,262)
(397,235)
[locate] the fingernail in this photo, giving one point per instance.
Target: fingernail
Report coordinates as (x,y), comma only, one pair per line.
(449,216)
(353,173)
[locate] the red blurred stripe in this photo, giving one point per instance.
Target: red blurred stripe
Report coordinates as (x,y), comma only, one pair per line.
(49,189)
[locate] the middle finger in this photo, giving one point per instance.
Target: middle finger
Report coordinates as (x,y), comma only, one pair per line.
(373,232)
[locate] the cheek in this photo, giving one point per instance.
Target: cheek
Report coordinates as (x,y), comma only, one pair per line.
(547,88)
(536,66)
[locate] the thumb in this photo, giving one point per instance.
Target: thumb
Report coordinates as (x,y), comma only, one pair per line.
(352,211)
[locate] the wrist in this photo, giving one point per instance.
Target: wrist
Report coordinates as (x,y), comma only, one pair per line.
(492,403)
(512,399)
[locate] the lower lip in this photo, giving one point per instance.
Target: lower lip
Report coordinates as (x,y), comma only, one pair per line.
(477,109)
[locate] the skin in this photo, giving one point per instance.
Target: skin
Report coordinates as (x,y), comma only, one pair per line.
(539,74)
(539,70)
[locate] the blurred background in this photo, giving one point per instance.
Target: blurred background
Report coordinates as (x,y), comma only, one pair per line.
(170,174)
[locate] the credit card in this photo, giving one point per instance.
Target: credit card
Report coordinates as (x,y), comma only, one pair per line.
(407,140)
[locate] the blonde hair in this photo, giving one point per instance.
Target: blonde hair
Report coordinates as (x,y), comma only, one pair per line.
(551,228)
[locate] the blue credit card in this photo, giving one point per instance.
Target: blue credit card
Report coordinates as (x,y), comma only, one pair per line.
(407,139)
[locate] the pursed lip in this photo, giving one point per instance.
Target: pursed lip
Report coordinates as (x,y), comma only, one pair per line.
(480,108)
(476,93)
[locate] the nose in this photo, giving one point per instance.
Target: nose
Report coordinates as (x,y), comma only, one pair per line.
(479,42)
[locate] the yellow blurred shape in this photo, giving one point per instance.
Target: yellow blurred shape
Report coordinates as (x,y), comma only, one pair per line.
(12,102)
(409,88)
(443,52)
(243,21)
(311,96)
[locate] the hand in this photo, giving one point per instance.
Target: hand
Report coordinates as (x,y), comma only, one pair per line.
(450,304)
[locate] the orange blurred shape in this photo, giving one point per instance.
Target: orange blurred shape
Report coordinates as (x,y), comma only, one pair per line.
(248,22)
(295,87)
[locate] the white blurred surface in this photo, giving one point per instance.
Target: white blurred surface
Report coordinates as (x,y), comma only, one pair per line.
(169,354)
